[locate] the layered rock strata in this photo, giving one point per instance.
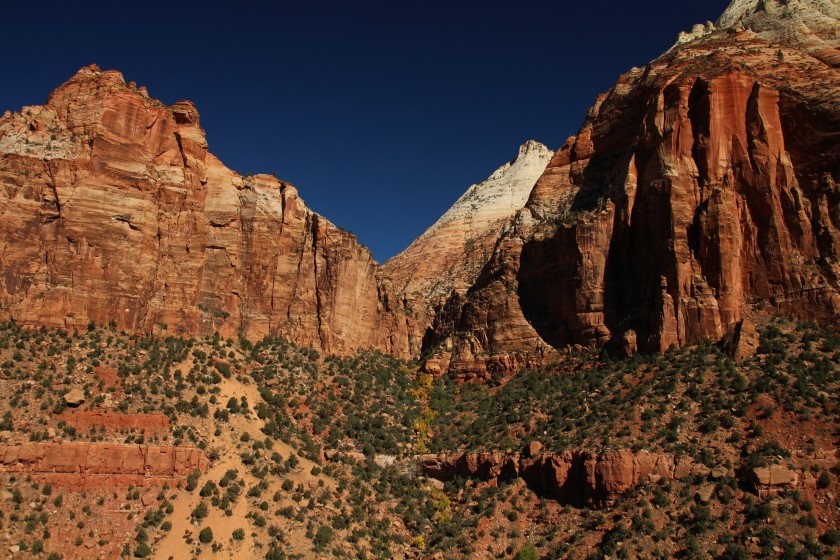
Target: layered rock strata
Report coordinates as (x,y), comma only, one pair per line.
(114,210)
(84,420)
(84,465)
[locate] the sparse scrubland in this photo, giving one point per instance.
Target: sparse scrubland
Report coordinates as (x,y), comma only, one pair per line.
(311,456)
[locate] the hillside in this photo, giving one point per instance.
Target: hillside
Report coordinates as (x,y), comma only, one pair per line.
(297,455)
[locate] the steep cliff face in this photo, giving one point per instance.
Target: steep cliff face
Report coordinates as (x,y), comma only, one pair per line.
(451,253)
(113,209)
(699,185)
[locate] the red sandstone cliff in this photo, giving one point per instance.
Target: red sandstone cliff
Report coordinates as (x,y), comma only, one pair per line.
(704,183)
(113,209)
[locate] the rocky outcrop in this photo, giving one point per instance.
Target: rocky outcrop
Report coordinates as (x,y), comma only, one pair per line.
(742,340)
(85,465)
(114,210)
(580,478)
(698,185)
(770,480)
(74,397)
(452,252)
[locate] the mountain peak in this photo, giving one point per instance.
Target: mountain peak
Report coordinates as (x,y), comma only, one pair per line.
(506,190)
(455,248)
(534,148)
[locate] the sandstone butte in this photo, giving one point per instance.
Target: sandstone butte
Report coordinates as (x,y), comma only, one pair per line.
(114,210)
(699,186)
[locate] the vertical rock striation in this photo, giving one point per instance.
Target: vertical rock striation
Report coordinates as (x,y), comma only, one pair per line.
(699,185)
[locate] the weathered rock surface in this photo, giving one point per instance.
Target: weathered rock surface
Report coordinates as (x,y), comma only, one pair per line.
(452,252)
(581,477)
(74,397)
(113,209)
(811,25)
(83,465)
(772,479)
(698,185)
(742,340)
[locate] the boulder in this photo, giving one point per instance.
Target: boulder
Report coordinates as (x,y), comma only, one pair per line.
(772,479)
(74,397)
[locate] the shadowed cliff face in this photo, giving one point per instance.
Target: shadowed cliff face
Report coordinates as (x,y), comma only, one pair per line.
(698,186)
(113,209)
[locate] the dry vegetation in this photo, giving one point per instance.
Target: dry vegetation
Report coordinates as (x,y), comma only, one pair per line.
(311,456)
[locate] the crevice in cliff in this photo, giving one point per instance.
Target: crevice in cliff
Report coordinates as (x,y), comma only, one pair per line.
(127,220)
(696,241)
(318,303)
(246,210)
(180,142)
(699,115)
(756,131)
(302,247)
(274,260)
(752,179)
(52,187)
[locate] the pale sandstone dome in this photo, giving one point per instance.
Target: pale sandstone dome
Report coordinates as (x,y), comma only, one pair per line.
(480,211)
(501,194)
(452,252)
(783,20)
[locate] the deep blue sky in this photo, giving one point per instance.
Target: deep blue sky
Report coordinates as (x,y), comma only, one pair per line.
(381,113)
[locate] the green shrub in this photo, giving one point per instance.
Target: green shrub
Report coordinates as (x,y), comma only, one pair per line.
(323,536)
(206,535)
(192,480)
(142,550)
(824,481)
(808,520)
(527,552)
(831,537)
(735,552)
